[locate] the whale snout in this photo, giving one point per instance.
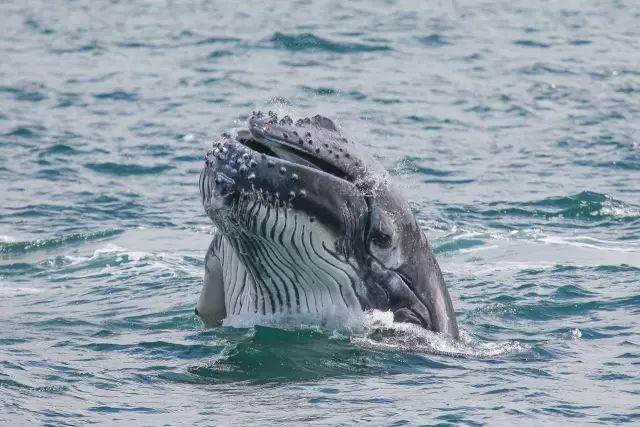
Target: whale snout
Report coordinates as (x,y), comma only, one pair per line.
(240,167)
(232,169)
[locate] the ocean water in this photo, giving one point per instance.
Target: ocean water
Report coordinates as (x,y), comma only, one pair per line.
(513,128)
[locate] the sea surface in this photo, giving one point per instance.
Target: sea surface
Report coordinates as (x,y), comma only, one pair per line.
(513,128)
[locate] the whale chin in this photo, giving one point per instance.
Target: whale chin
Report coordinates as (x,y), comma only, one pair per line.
(275,261)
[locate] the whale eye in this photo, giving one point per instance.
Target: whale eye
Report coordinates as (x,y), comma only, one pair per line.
(381,239)
(381,230)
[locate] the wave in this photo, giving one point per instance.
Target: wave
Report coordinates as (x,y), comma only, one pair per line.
(19,291)
(434,40)
(26,131)
(311,42)
(382,332)
(117,95)
(531,43)
(121,169)
(565,302)
(10,246)
(592,242)
(267,354)
(33,93)
(585,206)
(297,352)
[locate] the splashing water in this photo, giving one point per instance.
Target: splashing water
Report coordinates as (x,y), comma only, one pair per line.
(380,331)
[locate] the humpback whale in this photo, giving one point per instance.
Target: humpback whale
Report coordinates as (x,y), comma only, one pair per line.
(308,223)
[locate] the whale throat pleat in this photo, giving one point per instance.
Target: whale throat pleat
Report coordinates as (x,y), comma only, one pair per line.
(276,262)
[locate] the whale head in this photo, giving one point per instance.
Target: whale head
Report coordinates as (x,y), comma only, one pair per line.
(299,202)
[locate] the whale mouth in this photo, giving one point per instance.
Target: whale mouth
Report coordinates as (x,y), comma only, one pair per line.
(281,150)
(305,167)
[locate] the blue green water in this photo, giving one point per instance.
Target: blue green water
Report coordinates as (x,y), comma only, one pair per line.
(513,128)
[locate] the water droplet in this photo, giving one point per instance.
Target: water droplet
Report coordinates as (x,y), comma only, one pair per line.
(575,334)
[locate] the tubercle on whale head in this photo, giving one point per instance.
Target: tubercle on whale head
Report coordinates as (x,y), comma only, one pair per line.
(233,167)
(316,120)
(317,141)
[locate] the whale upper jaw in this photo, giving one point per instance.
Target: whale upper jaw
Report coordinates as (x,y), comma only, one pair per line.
(267,162)
(280,183)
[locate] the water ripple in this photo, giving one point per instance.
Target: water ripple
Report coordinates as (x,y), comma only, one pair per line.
(512,131)
(312,42)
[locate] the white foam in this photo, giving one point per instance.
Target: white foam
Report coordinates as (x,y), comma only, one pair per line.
(617,210)
(109,250)
(115,249)
(478,249)
(19,291)
(591,243)
(574,334)
(143,262)
(376,329)
(382,332)
(523,234)
(340,321)
(478,270)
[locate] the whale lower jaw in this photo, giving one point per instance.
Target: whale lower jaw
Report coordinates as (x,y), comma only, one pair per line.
(279,265)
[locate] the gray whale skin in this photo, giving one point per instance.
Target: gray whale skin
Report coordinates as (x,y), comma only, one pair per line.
(307,223)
